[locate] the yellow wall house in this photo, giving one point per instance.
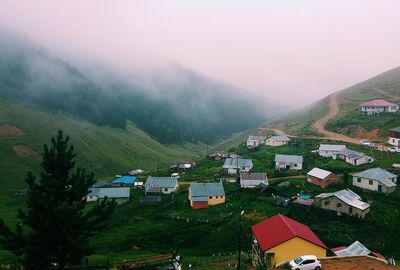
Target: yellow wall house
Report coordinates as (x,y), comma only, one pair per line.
(279,239)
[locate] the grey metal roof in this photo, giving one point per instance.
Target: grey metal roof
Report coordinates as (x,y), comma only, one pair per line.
(120,192)
(319,173)
(161,182)
(353,250)
(101,183)
(331,147)
(281,138)
(378,174)
(207,189)
(234,163)
(288,158)
(348,197)
(351,154)
(253,176)
(256,138)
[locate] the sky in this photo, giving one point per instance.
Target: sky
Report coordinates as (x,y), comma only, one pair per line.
(291,52)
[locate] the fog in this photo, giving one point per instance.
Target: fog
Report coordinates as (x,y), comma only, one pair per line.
(288,52)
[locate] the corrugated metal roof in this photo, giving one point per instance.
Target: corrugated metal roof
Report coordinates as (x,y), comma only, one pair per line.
(348,197)
(354,249)
(281,138)
(288,158)
(161,182)
(207,189)
(234,163)
(319,173)
(253,176)
(378,103)
(378,174)
(351,154)
(331,147)
(126,179)
(121,192)
(256,138)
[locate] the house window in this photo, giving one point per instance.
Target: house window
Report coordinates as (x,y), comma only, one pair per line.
(339,205)
(371,182)
(295,165)
(165,189)
(210,197)
(359,180)
(326,203)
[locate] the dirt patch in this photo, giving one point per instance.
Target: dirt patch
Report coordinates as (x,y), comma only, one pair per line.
(253,215)
(361,133)
(7,131)
(355,263)
(23,150)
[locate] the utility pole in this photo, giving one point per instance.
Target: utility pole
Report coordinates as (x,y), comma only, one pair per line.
(239,239)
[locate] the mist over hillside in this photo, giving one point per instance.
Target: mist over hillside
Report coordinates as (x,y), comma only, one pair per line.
(172,105)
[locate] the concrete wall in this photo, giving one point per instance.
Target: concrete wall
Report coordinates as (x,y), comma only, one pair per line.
(330,180)
(365,183)
(394,141)
(291,165)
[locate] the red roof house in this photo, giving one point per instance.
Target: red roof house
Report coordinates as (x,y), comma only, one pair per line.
(378,106)
(279,239)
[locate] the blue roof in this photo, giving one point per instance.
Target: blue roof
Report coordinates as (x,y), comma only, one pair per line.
(126,179)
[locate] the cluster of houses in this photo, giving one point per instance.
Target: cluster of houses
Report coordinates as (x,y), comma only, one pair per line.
(341,152)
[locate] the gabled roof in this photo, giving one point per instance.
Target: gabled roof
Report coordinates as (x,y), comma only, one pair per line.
(281,138)
(348,197)
(256,138)
(234,163)
(288,158)
(126,179)
(279,229)
(355,249)
(253,176)
(101,193)
(378,174)
(331,147)
(378,103)
(351,154)
(319,173)
(207,189)
(161,182)
(101,183)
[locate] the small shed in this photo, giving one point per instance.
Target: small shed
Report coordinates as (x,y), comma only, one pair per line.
(252,180)
(322,178)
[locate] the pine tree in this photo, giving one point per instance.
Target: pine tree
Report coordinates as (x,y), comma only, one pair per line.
(57,223)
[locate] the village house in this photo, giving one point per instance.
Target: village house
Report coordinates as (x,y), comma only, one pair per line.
(183,165)
(279,239)
(119,194)
(202,195)
(219,155)
(322,177)
(255,141)
(277,140)
(328,150)
(343,201)
(235,165)
(160,185)
(288,162)
(394,137)
(124,181)
(252,180)
(353,157)
(378,106)
(376,179)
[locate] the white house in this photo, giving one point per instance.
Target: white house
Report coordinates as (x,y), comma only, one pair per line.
(394,137)
(251,180)
(288,162)
(277,140)
(353,157)
(378,106)
(158,185)
(376,179)
(328,150)
(232,165)
(255,141)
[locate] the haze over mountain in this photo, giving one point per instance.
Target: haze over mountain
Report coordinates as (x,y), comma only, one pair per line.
(172,105)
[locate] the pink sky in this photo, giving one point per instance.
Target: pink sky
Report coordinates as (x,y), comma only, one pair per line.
(292,52)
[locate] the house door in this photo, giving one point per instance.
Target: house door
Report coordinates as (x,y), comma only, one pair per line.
(380,188)
(350,210)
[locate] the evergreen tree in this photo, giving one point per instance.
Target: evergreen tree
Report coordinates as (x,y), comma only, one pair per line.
(55,227)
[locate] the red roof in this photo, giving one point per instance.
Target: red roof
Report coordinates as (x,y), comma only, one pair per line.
(279,229)
(338,248)
(378,103)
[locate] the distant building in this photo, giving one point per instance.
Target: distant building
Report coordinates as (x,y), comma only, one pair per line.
(101,183)
(288,162)
(353,157)
(252,180)
(202,195)
(183,165)
(160,185)
(322,177)
(376,179)
(394,137)
(343,202)
(119,194)
(255,141)
(378,106)
(219,155)
(277,140)
(235,165)
(124,181)
(328,150)
(279,239)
